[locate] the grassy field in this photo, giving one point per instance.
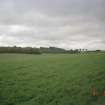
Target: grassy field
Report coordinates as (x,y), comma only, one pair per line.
(52,79)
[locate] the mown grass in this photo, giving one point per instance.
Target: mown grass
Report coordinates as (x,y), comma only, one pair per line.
(52,79)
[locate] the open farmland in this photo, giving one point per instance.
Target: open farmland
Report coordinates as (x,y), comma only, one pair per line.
(60,79)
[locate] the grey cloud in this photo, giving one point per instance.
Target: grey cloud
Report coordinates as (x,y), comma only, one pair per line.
(62,23)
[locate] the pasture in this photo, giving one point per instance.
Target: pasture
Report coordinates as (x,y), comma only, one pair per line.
(60,79)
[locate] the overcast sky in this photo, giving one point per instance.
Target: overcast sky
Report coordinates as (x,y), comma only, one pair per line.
(67,24)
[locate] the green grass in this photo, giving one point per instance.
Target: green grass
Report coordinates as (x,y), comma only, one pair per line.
(52,79)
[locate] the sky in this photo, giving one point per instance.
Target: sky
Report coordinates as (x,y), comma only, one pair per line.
(69,24)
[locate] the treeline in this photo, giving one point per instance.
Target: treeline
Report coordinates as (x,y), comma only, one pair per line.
(60,50)
(52,50)
(30,50)
(24,50)
(41,50)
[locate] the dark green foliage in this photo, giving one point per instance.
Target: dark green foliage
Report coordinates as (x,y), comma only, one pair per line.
(50,50)
(25,50)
